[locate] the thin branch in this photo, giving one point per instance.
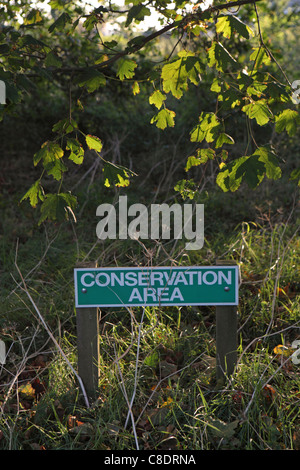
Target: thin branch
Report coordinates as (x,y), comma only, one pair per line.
(25,289)
(197,16)
(268,50)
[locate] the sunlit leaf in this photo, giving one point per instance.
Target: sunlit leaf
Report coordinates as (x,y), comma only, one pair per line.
(288,120)
(58,207)
(164,118)
(157,98)
(206,129)
(259,111)
(93,142)
(228,24)
(92,79)
(219,57)
(34,194)
(116,175)
(126,68)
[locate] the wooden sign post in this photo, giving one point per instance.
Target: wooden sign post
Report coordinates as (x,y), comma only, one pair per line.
(87,323)
(226,337)
(154,286)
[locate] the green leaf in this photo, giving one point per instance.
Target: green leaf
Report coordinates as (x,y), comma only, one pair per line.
(228,24)
(135,88)
(219,57)
(260,57)
(295,175)
(224,138)
(259,111)
(157,98)
(175,75)
(206,129)
(215,87)
(203,155)
(34,193)
(56,169)
(221,429)
(116,175)
(49,152)
(65,126)
(52,60)
(270,160)
(93,142)
(34,16)
(251,169)
(126,68)
(76,151)
(90,22)
(164,118)
(191,162)
(58,207)
(138,13)
(91,79)
(186,188)
(232,175)
(288,120)
(60,23)
(152,360)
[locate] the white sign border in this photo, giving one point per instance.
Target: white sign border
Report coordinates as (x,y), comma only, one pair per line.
(159,304)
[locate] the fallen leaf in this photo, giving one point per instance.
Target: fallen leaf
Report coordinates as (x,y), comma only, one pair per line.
(27,391)
(269,393)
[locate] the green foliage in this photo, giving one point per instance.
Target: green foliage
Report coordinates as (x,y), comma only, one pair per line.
(251,169)
(223,55)
(228,25)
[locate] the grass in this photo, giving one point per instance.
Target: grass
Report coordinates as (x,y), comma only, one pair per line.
(163,358)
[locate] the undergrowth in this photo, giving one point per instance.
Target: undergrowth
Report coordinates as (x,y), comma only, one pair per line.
(163,360)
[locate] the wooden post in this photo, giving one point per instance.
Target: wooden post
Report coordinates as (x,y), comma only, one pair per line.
(87,322)
(226,335)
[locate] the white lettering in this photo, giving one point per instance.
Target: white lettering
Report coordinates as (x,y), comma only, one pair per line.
(157,276)
(106,277)
(135,295)
(160,220)
(123,217)
(222,275)
(170,280)
(130,279)
(198,234)
(180,278)
(83,281)
(176,294)
(149,292)
(163,293)
(206,281)
(109,221)
(118,278)
(141,279)
(141,221)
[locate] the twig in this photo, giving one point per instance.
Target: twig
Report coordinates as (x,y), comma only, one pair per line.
(268,50)
(197,16)
(25,289)
(127,401)
(136,368)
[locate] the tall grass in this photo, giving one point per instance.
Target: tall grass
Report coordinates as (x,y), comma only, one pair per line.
(158,388)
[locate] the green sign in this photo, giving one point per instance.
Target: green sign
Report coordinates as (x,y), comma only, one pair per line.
(153,286)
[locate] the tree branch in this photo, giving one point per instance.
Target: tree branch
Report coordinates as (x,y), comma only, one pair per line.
(198,15)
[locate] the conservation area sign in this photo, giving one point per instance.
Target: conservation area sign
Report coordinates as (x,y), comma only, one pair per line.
(156,286)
